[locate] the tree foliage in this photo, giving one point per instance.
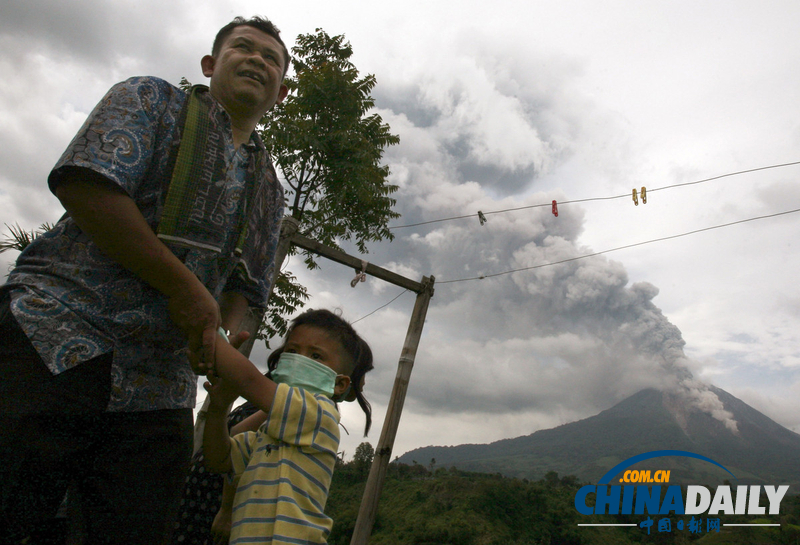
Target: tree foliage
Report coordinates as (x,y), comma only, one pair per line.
(328,148)
(458,507)
(287,296)
(18,238)
(362,459)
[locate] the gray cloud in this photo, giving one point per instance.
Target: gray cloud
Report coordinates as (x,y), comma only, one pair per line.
(80,30)
(575,334)
(503,117)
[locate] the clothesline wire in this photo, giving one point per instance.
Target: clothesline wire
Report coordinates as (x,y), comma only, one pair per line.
(573,201)
(626,195)
(380,307)
(621,247)
(591,255)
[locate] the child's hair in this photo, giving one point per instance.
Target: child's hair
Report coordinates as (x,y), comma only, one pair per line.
(354,347)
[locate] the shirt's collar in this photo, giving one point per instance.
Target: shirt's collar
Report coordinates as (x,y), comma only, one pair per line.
(223,120)
(255,144)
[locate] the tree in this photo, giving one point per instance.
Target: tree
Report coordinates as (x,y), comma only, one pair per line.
(551,478)
(362,459)
(18,238)
(329,149)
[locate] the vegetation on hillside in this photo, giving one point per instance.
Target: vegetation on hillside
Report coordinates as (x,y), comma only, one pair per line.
(427,505)
(763,452)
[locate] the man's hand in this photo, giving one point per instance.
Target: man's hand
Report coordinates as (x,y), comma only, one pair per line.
(202,364)
(197,314)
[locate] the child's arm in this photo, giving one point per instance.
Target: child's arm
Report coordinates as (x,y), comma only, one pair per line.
(251,423)
(216,440)
(243,377)
(221,527)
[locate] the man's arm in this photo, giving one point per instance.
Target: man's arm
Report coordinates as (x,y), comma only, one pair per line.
(114,223)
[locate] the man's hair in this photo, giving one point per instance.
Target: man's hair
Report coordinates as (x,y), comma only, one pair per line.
(259,23)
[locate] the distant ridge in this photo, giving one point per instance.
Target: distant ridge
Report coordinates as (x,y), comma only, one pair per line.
(761,452)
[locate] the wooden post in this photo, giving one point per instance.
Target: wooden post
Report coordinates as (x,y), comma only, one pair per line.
(340,257)
(424,290)
(380,462)
(252,320)
(254,316)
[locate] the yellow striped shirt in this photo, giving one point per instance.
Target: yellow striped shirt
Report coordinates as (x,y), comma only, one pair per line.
(286,469)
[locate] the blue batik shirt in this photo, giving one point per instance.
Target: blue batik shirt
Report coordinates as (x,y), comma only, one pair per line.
(75,304)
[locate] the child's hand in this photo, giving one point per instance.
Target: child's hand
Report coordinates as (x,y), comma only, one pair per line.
(221,393)
(239,339)
(221,527)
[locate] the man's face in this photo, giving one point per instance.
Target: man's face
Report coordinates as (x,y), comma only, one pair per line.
(247,73)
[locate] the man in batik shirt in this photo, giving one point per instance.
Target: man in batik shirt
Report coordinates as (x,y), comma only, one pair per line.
(172,218)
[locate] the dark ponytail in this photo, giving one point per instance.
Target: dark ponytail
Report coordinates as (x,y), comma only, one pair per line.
(363,364)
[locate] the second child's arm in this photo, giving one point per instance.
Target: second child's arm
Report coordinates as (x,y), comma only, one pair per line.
(221,527)
(216,440)
(251,423)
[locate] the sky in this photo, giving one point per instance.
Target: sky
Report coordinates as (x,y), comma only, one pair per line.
(498,106)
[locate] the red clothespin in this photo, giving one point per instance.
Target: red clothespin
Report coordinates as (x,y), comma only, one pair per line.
(481,217)
(644,195)
(555,208)
(635,197)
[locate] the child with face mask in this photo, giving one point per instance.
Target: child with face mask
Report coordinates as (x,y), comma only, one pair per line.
(285,467)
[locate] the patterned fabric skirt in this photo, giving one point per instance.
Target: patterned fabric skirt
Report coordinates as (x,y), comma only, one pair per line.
(202,494)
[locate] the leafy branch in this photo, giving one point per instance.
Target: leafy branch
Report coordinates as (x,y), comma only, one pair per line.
(19,239)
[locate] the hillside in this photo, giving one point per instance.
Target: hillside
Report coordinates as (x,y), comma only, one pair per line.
(762,452)
(453,507)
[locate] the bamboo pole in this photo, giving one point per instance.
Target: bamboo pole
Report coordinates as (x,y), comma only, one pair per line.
(254,316)
(252,319)
(380,462)
(354,262)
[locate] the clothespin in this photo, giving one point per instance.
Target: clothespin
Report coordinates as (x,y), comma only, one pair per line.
(361,276)
(481,217)
(555,208)
(644,195)
(635,198)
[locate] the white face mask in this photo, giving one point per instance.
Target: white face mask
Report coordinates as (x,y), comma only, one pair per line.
(302,372)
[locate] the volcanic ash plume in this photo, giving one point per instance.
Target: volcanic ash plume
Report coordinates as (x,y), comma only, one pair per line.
(592,297)
(657,337)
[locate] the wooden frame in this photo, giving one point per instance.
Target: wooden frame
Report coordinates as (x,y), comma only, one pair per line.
(424,290)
